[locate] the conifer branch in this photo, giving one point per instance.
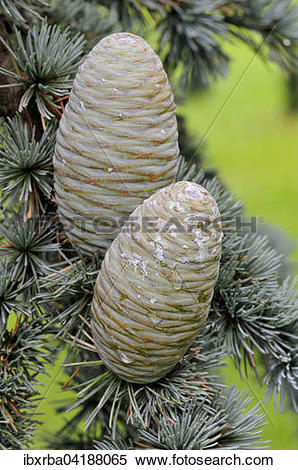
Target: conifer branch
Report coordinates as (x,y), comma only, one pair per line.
(47,61)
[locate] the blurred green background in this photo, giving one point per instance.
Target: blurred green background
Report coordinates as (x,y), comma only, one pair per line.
(252,139)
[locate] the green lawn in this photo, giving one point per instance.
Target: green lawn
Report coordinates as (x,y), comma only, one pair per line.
(253,142)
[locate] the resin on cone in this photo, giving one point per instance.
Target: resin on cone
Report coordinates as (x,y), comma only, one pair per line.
(117,141)
(155,286)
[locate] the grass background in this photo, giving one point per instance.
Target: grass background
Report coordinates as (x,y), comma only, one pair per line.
(253,143)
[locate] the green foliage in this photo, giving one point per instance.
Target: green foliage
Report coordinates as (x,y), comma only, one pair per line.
(47,62)
(68,293)
(276,21)
(223,423)
(24,352)
(191,32)
(105,398)
(45,289)
(10,295)
(84,17)
(247,315)
(27,247)
(26,165)
(247,310)
(282,363)
(194,30)
(20,11)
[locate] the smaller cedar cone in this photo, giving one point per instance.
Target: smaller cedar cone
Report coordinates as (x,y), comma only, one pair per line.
(154,289)
(117,141)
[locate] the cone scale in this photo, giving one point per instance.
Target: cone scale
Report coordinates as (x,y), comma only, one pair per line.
(155,286)
(117,141)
